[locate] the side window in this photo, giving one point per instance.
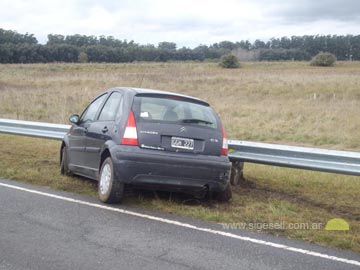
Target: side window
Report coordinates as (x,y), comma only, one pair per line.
(120,109)
(111,108)
(90,113)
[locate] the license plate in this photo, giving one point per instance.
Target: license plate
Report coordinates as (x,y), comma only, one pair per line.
(182,143)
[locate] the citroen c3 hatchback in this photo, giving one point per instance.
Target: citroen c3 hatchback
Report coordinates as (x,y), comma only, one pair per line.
(149,139)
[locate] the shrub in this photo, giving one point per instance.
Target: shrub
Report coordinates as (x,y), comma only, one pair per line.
(323,59)
(229,61)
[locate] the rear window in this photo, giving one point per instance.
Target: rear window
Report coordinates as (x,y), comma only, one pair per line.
(176,110)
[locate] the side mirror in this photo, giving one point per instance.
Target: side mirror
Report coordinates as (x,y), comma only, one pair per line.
(74,119)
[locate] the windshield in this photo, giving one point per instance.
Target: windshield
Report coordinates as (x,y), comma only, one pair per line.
(176,110)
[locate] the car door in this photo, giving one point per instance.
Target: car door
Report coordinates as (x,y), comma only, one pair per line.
(102,130)
(77,137)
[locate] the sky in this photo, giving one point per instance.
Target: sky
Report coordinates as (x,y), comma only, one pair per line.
(186,22)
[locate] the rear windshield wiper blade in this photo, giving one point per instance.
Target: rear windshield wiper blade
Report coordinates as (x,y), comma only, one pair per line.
(194,120)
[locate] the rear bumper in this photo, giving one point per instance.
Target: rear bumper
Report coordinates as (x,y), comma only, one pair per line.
(170,171)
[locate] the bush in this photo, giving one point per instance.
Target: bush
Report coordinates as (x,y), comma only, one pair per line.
(229,61)
(323,59)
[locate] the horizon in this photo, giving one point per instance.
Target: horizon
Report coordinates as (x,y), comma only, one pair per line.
(185,23)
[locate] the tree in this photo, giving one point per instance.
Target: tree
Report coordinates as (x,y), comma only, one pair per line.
(13,37)
(6,53)
(227,45)
(55,39)
(171,46)
(259,44)
(23,48)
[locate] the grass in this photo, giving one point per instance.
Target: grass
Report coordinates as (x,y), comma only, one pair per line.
(288,102)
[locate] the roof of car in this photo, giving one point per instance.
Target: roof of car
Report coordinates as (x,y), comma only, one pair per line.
(152,91)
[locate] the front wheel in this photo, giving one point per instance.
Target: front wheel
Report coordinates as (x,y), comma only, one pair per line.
(64,165)
(110,190)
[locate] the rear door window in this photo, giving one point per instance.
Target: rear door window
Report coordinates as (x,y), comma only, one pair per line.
(111,109)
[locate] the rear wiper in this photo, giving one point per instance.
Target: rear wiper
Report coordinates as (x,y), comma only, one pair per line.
(194,120)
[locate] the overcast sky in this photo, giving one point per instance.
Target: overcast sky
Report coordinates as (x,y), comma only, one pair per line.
(186,22)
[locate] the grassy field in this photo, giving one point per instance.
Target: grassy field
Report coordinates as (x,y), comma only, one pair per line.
(290,103)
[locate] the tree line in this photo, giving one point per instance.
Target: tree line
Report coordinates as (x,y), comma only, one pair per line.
(24,48)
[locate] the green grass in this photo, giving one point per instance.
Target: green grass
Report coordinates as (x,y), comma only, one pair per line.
(272,102)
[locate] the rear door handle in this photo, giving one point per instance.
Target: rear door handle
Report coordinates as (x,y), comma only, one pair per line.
(105,129)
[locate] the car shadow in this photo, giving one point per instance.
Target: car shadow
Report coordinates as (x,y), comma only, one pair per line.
(167,196)
(135,195)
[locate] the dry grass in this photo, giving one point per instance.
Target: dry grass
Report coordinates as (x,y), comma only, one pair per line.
(272,102)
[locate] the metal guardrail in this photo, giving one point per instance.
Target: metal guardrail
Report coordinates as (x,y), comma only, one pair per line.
(33,129)
(343,162)
(314,159)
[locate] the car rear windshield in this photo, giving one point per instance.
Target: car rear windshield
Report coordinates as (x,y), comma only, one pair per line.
(174,110)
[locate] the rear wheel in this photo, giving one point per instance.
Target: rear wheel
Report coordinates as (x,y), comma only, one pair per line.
(64,165)
(225,195)
(110,190)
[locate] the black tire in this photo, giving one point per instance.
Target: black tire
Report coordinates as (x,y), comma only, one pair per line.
(64,165)
(225,195)
(110,190)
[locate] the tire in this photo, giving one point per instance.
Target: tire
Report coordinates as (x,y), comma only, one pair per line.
(64,165)
(110,190)
(225,195)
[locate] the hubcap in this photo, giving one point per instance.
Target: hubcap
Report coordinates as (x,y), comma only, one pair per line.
(105,179)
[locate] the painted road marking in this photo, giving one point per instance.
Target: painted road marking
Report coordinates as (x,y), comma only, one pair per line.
(189,226)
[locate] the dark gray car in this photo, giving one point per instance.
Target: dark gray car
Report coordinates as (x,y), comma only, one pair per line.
(148,139)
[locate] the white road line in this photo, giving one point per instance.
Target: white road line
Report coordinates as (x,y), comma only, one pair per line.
(186,225)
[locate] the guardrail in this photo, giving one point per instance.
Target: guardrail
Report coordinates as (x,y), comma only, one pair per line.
(33,129)
(316,159)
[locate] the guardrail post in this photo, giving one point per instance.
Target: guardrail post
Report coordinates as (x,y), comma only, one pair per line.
(237,173)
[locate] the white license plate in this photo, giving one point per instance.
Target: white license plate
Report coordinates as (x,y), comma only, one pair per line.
(182,143)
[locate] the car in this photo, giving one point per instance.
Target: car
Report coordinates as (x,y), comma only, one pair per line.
(148,139)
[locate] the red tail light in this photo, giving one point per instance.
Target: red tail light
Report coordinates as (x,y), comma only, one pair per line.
(130,134)
(224,149)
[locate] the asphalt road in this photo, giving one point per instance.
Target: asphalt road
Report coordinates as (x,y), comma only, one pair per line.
(59,230)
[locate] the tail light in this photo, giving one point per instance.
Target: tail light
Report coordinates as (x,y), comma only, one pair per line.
(130,135)
(224,149)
